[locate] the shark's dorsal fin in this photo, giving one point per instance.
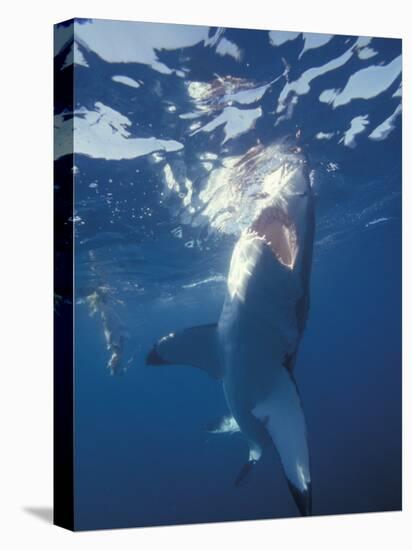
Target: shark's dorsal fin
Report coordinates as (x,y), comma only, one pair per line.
(196,346)
(285,424)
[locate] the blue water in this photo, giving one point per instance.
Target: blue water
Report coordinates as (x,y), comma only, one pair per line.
(144,455)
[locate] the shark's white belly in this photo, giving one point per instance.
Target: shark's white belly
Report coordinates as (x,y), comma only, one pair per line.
(258,330)
(258,327)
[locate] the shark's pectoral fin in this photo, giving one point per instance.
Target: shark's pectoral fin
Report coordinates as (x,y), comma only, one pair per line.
(196,346)
(285,424)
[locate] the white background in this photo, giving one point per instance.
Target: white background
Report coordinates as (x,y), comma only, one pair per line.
(26,273)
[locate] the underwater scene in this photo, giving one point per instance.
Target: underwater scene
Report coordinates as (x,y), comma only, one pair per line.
(237,271)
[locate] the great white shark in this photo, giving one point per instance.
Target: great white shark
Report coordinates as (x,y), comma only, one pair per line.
(253,346)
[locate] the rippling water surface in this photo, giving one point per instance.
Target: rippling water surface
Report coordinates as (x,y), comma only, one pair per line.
(177,131)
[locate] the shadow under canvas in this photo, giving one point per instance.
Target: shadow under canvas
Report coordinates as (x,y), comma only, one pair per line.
(44,513)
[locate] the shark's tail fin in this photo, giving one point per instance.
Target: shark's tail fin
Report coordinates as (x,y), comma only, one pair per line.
(196,346)
(285,423)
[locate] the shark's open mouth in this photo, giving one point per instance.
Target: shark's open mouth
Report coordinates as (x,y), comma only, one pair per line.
(279,232)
